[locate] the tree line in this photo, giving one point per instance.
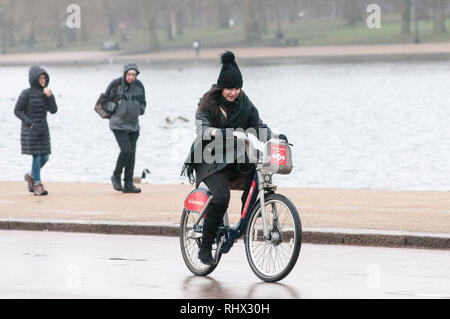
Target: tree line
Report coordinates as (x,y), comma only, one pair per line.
(30,21)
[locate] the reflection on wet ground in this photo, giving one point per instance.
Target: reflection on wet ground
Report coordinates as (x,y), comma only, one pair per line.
(114,266)
(207,287)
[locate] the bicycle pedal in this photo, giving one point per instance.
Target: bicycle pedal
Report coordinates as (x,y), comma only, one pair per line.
(194,235)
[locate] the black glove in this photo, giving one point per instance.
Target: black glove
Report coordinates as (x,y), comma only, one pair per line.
(283,137)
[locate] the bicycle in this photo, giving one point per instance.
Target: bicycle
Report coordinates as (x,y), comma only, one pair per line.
(269,222)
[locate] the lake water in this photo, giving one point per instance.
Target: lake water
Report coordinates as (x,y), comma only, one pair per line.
(373,125)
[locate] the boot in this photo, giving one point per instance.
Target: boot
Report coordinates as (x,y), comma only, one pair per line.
(39,190)
(117,184)
(130,188)
(30,181)
(205,255)
(213,219)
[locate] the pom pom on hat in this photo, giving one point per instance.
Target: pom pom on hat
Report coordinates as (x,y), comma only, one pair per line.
(230,76)
(228,57)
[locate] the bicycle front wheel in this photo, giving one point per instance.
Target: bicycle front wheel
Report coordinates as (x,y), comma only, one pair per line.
(273,258)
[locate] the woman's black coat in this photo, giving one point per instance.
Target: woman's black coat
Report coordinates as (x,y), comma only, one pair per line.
(31,108)
(209,117)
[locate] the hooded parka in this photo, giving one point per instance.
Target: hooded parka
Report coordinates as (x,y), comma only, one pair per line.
(125,101)
(31,108)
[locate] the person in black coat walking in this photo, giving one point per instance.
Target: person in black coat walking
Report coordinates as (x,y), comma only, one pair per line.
(125,100)
(31,108)
(224,108)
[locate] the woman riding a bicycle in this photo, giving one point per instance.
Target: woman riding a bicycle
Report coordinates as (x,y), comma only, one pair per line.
(224,108)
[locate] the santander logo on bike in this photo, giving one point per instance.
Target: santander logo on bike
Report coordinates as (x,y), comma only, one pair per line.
(278,155)
(196,201)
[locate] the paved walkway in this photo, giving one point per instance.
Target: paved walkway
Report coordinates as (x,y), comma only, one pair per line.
(408,211)
(380,51)
(329,216)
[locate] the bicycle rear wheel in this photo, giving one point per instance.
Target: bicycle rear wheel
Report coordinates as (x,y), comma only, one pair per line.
(190,242)
(273,259)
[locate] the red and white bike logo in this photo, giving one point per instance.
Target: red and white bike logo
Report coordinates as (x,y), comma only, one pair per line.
(196,201)
(278,155)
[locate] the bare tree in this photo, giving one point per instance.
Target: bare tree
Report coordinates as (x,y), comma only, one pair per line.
(11,22)
(439,15)
(174,21)
(294,10)
(352,11)
(110,16)
(223,14)
(181,5)
(170,20)
(58,23)
(152,37)
(263,17)
(406,7)
(252,30)
(32,18)
(3,36)
(278,18)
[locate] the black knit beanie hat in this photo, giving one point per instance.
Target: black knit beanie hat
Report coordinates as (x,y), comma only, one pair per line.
(230,76)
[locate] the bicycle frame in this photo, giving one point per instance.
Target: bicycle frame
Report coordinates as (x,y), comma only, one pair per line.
(261,184)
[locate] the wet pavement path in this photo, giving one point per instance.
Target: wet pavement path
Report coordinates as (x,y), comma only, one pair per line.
(72,265)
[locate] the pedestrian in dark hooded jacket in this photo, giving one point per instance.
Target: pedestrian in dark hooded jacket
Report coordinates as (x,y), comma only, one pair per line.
(224,108)
(125,100)
(31,108)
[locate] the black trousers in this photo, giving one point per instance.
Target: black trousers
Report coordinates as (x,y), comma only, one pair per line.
(127,157)
(220,188)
